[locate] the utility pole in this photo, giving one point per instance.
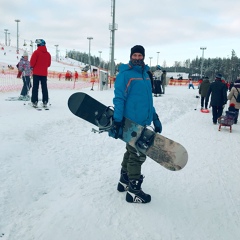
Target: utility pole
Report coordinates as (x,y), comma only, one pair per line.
(99,57)
(112,28)
(9,39)
(150,60)
(157,57)
(202,48)
(56,52)
(31,45)
(89,52)
(6,36)
(17,21)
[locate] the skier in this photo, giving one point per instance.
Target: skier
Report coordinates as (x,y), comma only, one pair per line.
(40,61)
(24,68)
(133,100)
(157,82)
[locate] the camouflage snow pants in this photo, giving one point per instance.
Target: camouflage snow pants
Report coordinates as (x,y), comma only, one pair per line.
(132,162)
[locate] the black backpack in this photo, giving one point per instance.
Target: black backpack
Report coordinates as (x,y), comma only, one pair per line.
(238,96)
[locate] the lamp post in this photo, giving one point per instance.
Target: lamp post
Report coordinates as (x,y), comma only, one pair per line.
(202,48)
(31,45)
(100,52)
(89,52)
(56,52)
(17,21)
(112,28)
(6,36)
(150,61)
(157,57)
(9,39)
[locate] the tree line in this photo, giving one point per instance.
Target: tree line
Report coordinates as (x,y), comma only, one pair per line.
(84,58)
(228,67)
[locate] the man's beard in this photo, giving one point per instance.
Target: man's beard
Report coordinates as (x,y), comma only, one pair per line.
(137,62)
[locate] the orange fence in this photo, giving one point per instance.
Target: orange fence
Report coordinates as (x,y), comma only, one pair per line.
(184,82)
(10,82)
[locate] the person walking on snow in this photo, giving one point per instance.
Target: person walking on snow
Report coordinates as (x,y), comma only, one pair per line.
(24,68)
(232,96)
(218,93)
(157,81)
(190,84)
(164,81)
(203,90)
(40,62)
(133,100)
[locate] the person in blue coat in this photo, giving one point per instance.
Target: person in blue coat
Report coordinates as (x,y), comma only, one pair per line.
(133,100)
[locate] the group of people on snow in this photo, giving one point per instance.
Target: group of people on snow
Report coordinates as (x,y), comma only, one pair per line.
(38,68)
(217,94)
(134,89)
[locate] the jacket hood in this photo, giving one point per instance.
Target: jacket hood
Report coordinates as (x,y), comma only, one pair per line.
(42,49)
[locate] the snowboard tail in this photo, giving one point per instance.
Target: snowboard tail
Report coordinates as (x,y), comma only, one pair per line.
(162,150)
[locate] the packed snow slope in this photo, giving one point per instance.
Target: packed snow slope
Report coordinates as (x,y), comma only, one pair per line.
(58,179)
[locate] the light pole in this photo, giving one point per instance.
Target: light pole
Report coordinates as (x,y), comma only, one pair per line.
(17,21)
(112,28)
(89,52)
(56,52)
(6,36)
(31,45)
(157,57)
(100,52)
(150,61)
(9,39)
(202,48)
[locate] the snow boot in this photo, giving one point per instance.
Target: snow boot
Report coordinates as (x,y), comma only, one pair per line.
(21,97)
(44,104)
(123,182)
(35,105)
(135,193)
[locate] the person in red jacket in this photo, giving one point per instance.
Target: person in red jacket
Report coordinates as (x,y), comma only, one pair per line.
(39,62)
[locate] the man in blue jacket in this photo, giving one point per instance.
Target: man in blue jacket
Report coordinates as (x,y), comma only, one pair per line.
(133,100)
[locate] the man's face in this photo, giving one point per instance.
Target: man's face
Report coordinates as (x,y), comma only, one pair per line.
(137,56)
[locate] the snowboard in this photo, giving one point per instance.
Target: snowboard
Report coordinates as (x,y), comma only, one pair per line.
(168,153)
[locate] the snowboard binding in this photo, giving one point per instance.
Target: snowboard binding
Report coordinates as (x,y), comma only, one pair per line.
(145,140)
(105,120)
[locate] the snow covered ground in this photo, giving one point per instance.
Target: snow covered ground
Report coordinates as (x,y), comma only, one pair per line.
(58,179)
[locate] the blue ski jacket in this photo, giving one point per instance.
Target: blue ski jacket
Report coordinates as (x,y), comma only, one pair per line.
(133,95)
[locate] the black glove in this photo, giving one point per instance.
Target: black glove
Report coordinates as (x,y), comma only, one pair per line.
(117,130)
(157,124)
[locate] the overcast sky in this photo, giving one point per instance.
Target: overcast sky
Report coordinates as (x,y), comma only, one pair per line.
(176,29)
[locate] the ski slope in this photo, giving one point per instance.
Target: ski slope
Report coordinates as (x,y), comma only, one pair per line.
(58,179)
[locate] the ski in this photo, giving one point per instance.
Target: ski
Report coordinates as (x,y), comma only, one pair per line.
(17,99)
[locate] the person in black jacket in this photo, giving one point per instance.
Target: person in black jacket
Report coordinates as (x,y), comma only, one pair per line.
(203,90)
(218,93)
